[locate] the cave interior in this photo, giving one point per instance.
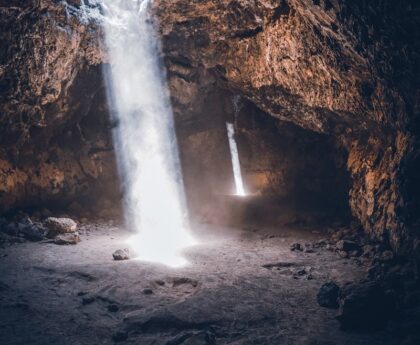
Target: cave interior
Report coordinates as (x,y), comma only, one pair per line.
(324,248)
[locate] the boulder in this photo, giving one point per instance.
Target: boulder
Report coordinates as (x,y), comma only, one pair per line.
(58,226)
(366,306)
(121,254)
(328,295)
(68,238)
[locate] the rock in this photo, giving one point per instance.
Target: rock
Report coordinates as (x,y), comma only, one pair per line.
(365,307)
(328,295)
(5,238)
(296,247)
(34,232)
(308,248)
(121,254)
(58,226)
(70,238)
(300,272)
(347,246)
(148,291)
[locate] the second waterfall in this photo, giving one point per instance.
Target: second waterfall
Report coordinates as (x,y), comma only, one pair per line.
(145,139)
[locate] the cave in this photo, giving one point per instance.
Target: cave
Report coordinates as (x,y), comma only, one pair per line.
(209,172)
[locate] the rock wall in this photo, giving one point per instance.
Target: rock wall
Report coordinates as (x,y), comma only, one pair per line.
(348,69)
(54,124)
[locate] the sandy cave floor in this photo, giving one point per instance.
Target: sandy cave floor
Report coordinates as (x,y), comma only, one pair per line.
(51,294)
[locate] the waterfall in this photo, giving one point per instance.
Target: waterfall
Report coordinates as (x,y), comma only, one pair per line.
(235,160)
(144,138)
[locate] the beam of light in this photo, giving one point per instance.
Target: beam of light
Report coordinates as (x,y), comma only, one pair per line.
(235,160)
(144,138)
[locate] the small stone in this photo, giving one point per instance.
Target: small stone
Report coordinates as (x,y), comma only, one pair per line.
(58,226)
(121,254)
(113,308)
(159,282)
(308,248)
(328,294)
(65,239)
(300,272)
(347,246)
(148,291)
(296,247)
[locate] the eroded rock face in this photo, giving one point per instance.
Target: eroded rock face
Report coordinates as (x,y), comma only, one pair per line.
(54,140)
(346,70)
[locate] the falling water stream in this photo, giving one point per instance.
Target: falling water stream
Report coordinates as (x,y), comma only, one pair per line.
(235,160)
(145,139)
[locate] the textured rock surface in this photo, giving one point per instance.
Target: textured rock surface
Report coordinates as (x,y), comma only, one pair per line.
(54,141)
(347,70)
(60,225)
(69,238)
